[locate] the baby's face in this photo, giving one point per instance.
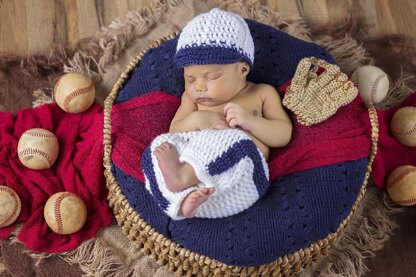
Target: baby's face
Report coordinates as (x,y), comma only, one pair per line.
(213,84)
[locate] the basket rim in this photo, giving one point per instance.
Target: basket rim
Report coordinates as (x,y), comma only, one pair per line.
(177,258)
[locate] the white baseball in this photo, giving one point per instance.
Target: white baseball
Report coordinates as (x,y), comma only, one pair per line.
(65,213)
(403,126)
(38,149)
(401,185)
(10,206)
(372,82)
(74,92)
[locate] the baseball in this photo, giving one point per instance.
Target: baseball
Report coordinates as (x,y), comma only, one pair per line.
(403,126)
(38,149)
(74,92)
(10,206)
(372,83)
(401,185)
(65,213)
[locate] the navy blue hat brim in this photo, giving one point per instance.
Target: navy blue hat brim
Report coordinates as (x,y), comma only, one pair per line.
(200,55)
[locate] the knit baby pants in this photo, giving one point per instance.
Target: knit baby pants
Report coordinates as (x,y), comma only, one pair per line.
(226,159)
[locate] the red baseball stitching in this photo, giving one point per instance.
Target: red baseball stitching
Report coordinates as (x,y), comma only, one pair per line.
(374,87)
(34,151)
(39,134)
(57,211)
(400,177)
(407,201)
(85,215)
(13,213)
(76,93)
(406,133)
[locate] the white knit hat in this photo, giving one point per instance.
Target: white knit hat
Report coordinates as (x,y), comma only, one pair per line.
(215,37)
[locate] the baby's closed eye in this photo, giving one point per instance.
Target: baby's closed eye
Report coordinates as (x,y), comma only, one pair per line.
(214,77)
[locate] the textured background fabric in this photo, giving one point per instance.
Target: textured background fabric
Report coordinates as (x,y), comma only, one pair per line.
(386,262)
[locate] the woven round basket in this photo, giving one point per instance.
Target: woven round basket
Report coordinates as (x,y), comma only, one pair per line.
(183,261)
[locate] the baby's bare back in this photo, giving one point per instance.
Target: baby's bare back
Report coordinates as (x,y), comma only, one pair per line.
(250,100)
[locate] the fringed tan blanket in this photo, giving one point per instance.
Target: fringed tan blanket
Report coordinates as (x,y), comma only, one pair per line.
(107,54)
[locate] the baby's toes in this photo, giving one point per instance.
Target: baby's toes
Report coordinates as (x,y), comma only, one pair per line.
(166,145)
(157,151)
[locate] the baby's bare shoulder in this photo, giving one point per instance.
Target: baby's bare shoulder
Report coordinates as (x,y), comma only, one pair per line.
(264,90)
(262,87)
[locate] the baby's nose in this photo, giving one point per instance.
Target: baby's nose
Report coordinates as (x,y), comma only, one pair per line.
(200,86)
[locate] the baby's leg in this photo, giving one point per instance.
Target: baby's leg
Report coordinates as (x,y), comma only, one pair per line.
(195,199)
(177,175)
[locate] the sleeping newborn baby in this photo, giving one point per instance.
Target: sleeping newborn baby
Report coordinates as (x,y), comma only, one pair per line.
(213,161)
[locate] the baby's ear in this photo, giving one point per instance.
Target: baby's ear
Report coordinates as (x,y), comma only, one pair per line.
(244,68)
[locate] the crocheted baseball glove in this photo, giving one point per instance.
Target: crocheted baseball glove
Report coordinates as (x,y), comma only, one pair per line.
(314,97)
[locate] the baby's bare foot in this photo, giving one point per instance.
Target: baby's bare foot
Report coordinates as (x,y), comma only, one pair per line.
(169,164)
(193,200)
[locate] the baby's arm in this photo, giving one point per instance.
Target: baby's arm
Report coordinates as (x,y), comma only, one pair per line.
(274,128)
(188,118)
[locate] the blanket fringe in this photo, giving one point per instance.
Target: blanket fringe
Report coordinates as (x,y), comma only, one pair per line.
(95,259)
(41,98)
(350,55)
(347,52)
(364,236)
(398,91)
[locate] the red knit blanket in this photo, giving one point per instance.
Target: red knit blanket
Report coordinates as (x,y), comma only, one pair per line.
(78,169)
(343,137)
(390,153)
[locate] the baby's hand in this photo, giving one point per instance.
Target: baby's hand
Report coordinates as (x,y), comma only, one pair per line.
(237,116)
(210,120)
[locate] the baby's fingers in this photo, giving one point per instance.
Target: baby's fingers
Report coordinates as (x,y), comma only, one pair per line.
(234,123)
(230,115)
(221,125)
(230,107)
